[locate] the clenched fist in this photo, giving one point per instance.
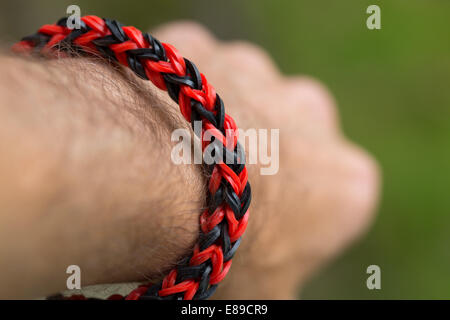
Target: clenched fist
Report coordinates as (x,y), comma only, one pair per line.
(86,176)
(325,191)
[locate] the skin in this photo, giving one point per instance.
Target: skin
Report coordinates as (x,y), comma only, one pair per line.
(87,177)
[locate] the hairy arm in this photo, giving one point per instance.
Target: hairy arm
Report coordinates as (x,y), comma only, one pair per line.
(86,177)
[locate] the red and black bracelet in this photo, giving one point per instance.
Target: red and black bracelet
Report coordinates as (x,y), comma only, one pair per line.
(224,221)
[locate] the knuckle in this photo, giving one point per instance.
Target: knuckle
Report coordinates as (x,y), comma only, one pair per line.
(250,58)
(311,97)
(364,180)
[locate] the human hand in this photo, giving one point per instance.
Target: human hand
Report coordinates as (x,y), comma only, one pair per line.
(323,196)
(98,195)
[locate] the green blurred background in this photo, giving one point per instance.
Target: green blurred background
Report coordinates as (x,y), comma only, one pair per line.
(392,89)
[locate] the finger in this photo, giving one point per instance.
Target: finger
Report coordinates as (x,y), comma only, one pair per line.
(322,198)
(248,65)
(350,184)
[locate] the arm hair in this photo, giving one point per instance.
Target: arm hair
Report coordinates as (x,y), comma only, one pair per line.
(86,177)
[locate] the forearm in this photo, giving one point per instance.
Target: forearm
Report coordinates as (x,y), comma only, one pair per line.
(87,177)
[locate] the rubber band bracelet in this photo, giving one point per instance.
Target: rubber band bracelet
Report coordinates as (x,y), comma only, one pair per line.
(224,221)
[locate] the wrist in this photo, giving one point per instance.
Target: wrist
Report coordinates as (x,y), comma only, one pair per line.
(105,148)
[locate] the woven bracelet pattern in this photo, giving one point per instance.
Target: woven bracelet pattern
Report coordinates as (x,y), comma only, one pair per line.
(228,192)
